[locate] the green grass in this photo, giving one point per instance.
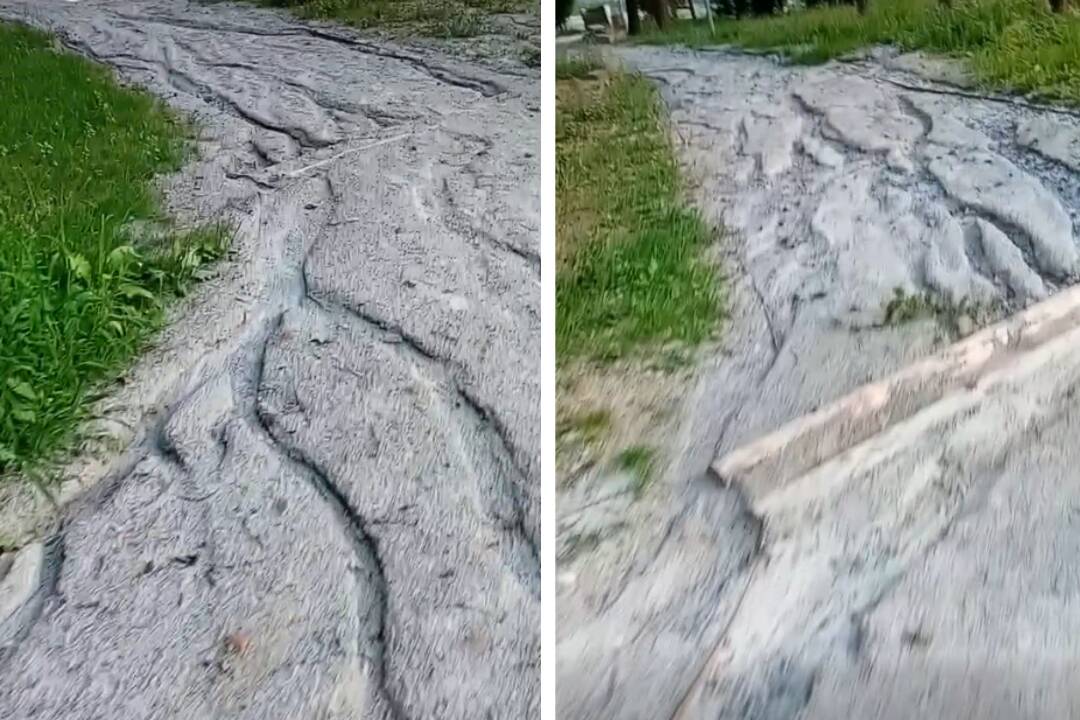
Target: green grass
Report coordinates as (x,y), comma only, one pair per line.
(531,56)
(78,298)
(639,461)
(590,427)
(576,67)
(1011,44)
(440,18)
(951,316)
(630,273)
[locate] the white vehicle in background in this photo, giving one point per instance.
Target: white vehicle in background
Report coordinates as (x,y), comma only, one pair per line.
(604,18)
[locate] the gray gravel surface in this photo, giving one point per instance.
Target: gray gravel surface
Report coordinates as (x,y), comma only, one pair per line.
(841,184)
(328,502)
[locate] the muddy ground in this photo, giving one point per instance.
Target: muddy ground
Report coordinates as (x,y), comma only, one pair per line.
(919,571)
(317,496)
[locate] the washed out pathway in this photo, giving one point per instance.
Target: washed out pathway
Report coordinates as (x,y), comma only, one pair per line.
(903,551)
(322,499)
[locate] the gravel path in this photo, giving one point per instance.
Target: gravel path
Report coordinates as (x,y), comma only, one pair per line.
(328,502)
(843,184)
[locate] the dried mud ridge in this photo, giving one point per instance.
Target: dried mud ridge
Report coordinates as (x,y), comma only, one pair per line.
(816,595)
(329,505)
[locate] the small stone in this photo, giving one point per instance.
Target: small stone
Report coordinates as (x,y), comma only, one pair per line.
(965,325)
(237,643)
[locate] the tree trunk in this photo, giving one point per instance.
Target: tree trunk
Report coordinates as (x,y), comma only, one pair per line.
(633,20)
(659,11)
(563,9)
(1058,5)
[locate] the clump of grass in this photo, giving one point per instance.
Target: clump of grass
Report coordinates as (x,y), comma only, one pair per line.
(1013,44)
(78,296)
(442,18)
(957,318)
(590,427)
(460,25)
(576,67)
(639,461)
(530,56)
(630,272)
(903,308)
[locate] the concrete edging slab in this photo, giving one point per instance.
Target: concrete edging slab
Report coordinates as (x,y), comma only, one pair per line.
(770,462)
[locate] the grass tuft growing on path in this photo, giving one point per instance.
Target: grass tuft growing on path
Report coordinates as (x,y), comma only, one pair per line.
(440,18)
(78,298)
(1011,44)
(576,67)
(639,461)
(630,275)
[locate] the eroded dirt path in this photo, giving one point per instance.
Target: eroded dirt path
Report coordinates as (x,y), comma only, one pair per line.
(886,581)
(329,503)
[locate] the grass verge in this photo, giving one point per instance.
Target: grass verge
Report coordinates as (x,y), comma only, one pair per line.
(630,276)
(78,296)
(1011,44)
(576,67)
(639,461)
(632,283)
(437,18)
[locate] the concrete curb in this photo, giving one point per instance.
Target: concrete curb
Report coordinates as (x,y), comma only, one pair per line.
(770,462)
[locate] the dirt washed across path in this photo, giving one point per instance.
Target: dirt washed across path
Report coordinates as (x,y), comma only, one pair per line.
(328,503)
(906,550)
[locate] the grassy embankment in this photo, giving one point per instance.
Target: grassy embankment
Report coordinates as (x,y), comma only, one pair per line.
(79,297)
(632,284)
(441,18)
(1015,45)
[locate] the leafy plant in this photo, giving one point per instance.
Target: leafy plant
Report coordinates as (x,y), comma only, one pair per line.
(78,297)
